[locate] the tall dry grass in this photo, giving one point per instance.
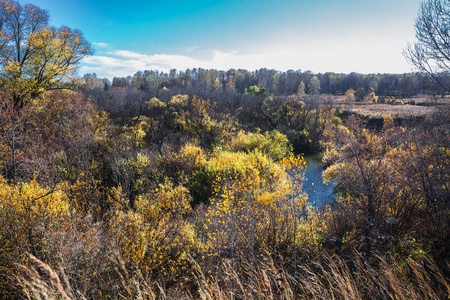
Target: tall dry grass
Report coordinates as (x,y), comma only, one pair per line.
(325,277)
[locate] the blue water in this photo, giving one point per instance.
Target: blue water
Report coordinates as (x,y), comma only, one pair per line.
(318,192)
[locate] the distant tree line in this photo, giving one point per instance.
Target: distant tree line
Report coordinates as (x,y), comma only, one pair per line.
(214,83)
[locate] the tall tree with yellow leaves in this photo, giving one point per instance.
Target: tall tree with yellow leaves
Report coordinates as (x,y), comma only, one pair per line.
(35,57)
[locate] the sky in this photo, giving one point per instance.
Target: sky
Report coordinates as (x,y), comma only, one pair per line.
(342,36)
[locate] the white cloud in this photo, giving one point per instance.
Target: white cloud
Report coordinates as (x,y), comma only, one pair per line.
(318,57)
(124,62)
(126,54)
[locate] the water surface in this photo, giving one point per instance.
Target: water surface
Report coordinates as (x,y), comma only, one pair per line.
(318,192)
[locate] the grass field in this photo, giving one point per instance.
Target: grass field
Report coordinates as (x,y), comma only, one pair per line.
(399,111)
(424,105)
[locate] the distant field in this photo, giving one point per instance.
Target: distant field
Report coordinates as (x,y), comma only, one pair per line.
(400,111)
(421,99)
(425,105)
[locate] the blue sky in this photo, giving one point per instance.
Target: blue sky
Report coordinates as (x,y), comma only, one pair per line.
(319,35)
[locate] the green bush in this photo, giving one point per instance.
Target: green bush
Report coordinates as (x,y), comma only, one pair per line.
(272,143)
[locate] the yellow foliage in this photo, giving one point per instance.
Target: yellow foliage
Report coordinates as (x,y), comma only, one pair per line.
(140,130)
(293,163)
(310,230)
(42,56)
(129,231)
(168,235)
(82,194)
(272,143)
(191,156)
(33,200)
(164,203)
(179,100)
(330,156)
(27,211)
(244,171)
(254,198)
(155,103)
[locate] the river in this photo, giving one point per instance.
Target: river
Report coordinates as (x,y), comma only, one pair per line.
(318,192)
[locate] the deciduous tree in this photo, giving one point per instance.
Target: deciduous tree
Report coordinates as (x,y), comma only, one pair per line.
(35,57)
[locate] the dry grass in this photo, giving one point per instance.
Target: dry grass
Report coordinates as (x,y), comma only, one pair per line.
(326,277)
(47,286)
(331,277)
(399,111)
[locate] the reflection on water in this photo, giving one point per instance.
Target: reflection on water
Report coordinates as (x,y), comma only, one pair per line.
(318,192)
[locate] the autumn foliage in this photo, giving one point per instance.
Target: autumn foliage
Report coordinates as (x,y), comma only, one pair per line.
(107,192)
(181,201)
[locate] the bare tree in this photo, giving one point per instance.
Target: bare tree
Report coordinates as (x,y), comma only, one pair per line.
(431,52)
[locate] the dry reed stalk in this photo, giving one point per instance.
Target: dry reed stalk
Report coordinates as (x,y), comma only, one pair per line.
(38,286)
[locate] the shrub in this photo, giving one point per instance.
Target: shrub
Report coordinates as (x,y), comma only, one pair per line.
(155,237)
(155,103)
(28,213)
(388,121)
(336,120)
(179,100)
(253,203)
(373,97)
(389,100)
(398,102)
(273,143)
(191,158)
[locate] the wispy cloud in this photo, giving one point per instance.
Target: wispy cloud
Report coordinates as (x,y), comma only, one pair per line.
(190,49)
(104,45)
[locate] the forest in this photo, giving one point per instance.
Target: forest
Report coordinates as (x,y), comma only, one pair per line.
(189,184)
